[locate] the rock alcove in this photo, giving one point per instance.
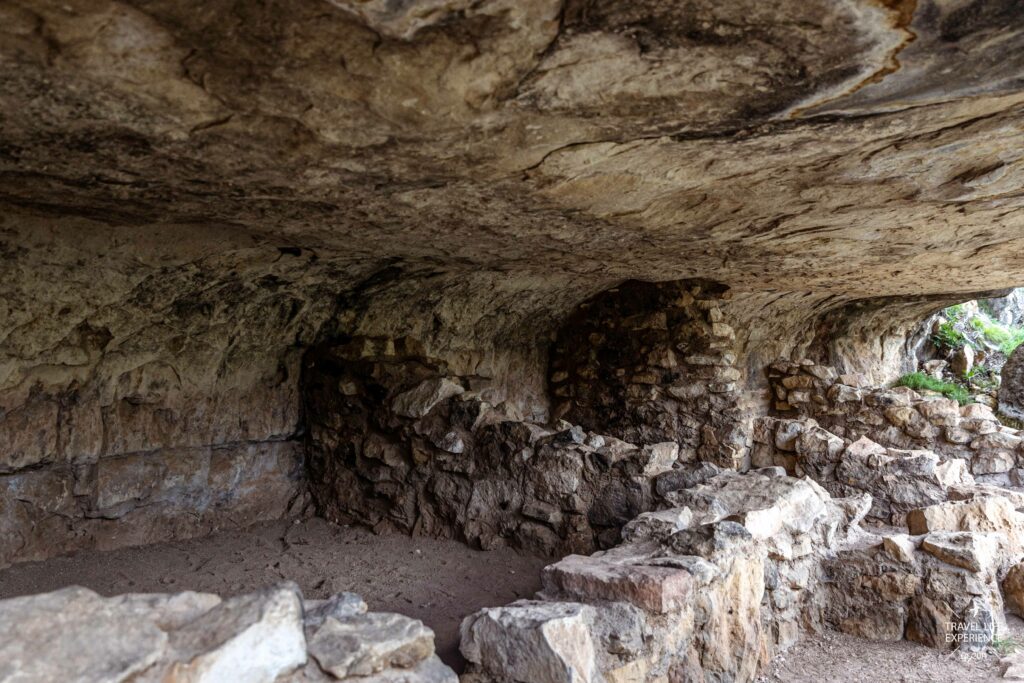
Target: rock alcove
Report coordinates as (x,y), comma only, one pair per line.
(623,288)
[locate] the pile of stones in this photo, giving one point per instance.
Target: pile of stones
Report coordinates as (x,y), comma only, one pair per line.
(273,636)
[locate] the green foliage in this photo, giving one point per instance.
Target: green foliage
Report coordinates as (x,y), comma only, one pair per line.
(954,312)
(919,380)
(948,337)
(1006,337)
(981,377)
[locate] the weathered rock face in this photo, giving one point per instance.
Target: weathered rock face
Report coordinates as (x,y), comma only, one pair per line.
(195,193)
(375,250)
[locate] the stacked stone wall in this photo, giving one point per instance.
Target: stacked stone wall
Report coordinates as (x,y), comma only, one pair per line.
(897,418)
(399,442)
(652,362)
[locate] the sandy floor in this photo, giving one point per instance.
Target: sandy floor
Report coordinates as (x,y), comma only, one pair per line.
(439,582)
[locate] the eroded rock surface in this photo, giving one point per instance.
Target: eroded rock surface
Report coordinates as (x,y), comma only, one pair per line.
(375,251)
(194,193)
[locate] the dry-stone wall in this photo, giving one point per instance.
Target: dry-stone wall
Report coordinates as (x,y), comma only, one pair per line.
(396,441)
(1011,388)
(898,418)
(707,590)
(739,566)
(653,362)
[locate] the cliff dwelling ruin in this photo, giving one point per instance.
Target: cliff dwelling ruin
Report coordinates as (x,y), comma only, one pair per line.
(479,341)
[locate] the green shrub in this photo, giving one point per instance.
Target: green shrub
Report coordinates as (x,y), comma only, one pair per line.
(1006,337)
(954,312)
(919,380)
(948,337)
(1006,645)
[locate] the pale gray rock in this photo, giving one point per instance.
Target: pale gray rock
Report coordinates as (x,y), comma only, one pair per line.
(974,551)
(250,638)
(659,458)
(340,606)
(539,642)
(368,644)
(421,399)
(430,670)
(75,635)
(656,525)
(167,611)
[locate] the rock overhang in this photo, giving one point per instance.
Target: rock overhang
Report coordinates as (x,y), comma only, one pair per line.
(197,193)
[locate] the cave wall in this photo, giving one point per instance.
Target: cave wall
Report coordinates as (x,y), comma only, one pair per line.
(151,377)
(192,194)
(149,388)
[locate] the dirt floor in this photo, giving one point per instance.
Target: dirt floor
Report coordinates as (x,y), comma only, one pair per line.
(439,582)
(836,657)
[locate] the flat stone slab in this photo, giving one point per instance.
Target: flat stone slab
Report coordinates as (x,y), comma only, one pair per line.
(75,635)
(973,551)
(621,578)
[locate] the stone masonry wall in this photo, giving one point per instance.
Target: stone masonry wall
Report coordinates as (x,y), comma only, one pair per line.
(397,441)
(898,418)
(709,589)
(651,362)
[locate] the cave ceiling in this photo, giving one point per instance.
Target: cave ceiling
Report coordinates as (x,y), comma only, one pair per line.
(467,165)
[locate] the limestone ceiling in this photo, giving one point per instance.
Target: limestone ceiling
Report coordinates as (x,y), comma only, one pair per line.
(517,148)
